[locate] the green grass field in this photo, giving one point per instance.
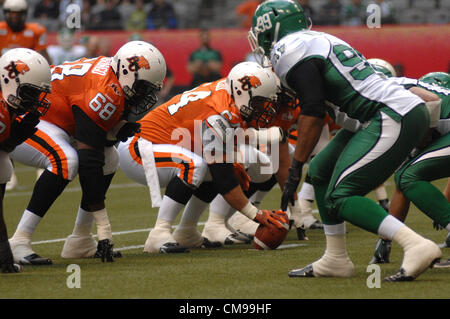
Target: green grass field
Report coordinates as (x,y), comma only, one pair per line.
(238,272)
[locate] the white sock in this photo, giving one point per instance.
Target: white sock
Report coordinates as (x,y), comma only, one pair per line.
(220,207)
(448,227)
(83,223)
(103,224)
(194,209)
(28,222)
(306,192)
(334,230)
(380,193)
(389,227)
(169,209)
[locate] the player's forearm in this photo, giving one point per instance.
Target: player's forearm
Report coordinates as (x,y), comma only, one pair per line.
(284,163)
(309,130)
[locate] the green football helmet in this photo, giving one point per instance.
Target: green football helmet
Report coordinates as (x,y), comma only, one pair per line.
(382,66)
(438,78)
(274,19)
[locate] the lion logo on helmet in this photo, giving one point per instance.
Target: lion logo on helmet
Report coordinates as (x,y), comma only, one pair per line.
(249,82)
(138,62)
(15,68)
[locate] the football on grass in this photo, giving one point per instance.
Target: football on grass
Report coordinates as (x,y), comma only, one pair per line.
(270,238)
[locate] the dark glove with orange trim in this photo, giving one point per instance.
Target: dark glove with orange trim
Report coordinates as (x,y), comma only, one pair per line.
(21,130)
(271,218)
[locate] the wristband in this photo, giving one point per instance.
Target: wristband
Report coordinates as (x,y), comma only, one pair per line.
(249,210)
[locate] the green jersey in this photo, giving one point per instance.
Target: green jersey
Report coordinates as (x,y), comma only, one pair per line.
(351,84)
(443,126)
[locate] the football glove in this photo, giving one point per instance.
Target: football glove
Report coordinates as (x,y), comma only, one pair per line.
(128,130)
(271,218)
(21,130)
(6,259)
(290,188)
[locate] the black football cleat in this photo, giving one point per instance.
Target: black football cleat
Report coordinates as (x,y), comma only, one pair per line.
(385,204)
(173,248)
(399,277)
(382,252)
(210,244)
(446,244)
(301,234)
(303,272)
(35,260)
(316,225)
(238,238)
(442,264)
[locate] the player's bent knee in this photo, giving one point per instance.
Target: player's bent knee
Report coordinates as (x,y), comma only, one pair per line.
(112,160)
(7,168)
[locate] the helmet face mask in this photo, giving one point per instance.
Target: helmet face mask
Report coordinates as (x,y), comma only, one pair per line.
(141,97)
(263,111)
(30,98)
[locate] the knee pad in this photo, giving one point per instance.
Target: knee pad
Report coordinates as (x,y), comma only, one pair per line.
(112,160)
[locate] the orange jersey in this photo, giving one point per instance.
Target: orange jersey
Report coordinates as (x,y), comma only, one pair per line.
(34,37)
(293,132)
(188,111)
(89,84)
(286,118)
(5,120)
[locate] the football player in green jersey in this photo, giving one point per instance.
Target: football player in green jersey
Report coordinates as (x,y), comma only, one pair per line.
(428,163)
(325,71)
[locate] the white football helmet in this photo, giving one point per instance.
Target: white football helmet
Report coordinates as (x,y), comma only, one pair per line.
(140,69)
(15,21)
(25,80)
(254,91)
(383,66)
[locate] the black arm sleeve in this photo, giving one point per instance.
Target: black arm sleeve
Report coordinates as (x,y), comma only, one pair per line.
(223,176)
(307,81)
(87,131)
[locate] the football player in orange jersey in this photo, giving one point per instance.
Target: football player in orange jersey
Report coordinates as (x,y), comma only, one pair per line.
(178,143)
(25,80)
(16,33)
(91,100)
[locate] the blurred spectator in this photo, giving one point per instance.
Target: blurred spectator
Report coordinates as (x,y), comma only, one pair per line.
(109,18)
(245,12)
(46,9)
(330,13)
(308,10)
(161,16)
(137,20)
(86,15)
(204,63)
(387,11)
(353,13)
(97,46)
(125,8)
(66,50)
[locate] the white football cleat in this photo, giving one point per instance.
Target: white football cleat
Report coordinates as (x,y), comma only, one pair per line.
(417,259)
(188,236)
(243,224)
(160,240)
(24,255)
(77,246)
